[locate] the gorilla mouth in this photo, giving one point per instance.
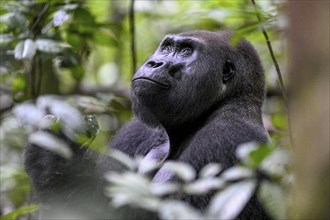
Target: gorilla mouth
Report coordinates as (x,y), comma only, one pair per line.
(153,81)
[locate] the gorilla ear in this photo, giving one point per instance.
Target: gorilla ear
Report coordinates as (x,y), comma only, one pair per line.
(228,71)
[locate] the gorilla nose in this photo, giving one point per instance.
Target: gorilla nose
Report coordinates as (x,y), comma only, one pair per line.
(153,64)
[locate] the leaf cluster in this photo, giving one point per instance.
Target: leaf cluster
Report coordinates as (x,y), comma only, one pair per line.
(263,171)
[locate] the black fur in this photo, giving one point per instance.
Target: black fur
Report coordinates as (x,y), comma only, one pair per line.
(195,99)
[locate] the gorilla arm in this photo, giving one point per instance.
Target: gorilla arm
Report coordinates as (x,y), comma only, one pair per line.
(75,186)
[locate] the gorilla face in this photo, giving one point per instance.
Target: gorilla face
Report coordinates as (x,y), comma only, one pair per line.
(184,77)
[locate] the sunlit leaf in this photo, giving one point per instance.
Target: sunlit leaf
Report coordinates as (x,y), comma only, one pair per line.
(60,17)
(25,49)
(228,203)
(50,122)
(203,186)
(182,170)
(123,158)
(28,114)
(147,165)
(16,20)
(70,117)
(175,210)
(237,173)
(130,188)
(91,104)
(51,143)
(210,170)
(161,189)
(48,46)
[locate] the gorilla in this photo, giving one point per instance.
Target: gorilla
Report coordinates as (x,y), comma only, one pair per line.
(195,100)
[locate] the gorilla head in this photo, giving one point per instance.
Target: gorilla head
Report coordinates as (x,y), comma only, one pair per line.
(194,72)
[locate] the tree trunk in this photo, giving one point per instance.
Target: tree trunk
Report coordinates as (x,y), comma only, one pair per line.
(309,107)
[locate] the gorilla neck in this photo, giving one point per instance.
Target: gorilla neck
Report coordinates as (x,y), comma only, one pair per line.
(180,133)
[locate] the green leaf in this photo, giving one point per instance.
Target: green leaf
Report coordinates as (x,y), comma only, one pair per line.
(259,154)
(20,211)
(105,38)
(18,84)
(92,127)
(25,50)
(243,151)
(252,154)
(279,121)
(77,72)
(277,162)
(272,197)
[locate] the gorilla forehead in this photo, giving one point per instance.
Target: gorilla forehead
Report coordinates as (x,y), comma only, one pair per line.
(219,36)
(207,39)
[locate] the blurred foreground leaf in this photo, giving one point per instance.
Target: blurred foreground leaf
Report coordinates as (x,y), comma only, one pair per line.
(19,212)
(227,204)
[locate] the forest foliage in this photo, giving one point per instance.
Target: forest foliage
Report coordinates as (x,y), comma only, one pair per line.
(74,59)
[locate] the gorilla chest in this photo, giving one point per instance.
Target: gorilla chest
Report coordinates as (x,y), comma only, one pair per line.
(160,154)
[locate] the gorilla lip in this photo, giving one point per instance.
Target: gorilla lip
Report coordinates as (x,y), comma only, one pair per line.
(152,80)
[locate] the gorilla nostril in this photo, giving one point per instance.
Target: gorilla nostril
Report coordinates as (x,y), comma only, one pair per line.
(154,64)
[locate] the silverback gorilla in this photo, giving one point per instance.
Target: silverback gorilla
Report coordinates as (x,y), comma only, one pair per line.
(195,100)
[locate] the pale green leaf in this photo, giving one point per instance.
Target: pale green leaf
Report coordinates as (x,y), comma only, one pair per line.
(52,143)
(272,197)
(123,158)
(210,170)
(182,170)
(203,186)
(161,189)
(19,212)
(25,49)
(228,203)
(237,173)
(48,46)
(175,210)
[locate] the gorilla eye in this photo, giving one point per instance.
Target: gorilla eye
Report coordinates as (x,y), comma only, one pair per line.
(166,48)
(186,51)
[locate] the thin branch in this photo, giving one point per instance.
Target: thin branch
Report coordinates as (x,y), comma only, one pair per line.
(277,67)
(39,75)
(132,34)
(38,19)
